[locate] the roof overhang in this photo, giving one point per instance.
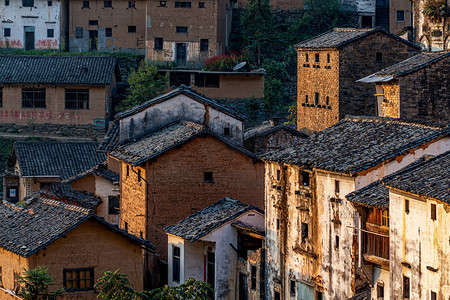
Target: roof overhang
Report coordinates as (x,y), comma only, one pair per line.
(376,78)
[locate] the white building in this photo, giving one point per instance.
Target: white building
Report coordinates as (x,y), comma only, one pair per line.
(30,24)
(206,245)
(313,239)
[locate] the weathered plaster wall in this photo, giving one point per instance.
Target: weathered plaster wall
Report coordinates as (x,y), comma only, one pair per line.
(40,17)
(236,86)
(103,189)
(10,263)
(395,26)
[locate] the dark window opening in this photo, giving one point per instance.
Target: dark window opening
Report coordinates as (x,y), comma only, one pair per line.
(211,278)
(328,58)
(113,205)
(7,32)
(6,2)
(50,33)
(207,80)
(306,57)
(316,98)
(306,98)
(158,43)
(226,131)
(176,264)
(181,29)
(433,211)
(126,226)
(93,22)
(182,4)
(336,186)
(77,99)
(107,4)
(305,178)
(131,29)
(179,78)
(208,176)
(131,4)
(45,186)
(400,16)
(278,224)
(327,100)
(433,295)
(317,57)
(79,32)
(292,288)
(276,296)
(336,242)
(78,279)
(406,206)
(141,234)
(380,291)
(379,56)
(278,175)
(253,277)
(162,3)
(139,175)
(108,32)
(27,3)
(366,21)
(33,98)
(204,45)
(305,232)
(49,3)
(405,287)
(128,171)
(85,4)
(201,5)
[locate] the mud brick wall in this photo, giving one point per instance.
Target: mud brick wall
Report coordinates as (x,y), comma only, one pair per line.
(390,107)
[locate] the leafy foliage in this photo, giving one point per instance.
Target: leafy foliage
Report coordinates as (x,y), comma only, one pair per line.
(274,92)
(35,284)
(225,62)
(435,8)
(145,84)
(115,286)
(292,117)
(192,289)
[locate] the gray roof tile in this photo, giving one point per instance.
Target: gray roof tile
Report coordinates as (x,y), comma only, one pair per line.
(57,70)
(99,170)
(267,128)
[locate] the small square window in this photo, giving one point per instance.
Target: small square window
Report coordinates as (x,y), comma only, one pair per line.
(162,3)
(50,33)
(108,32)
(49,3)
(201,5)
(181,29)
(113,205)
(6,2)
(305,178)
(336,187)
(93,22)
(433,212)
(7,32)
(107,3)
(379,56)
(158,43)
(406,206)
(305,232)
(400,16)
(79,32)
(292,288)
(278,175)
(327,100)
(85,4)
(328,58)
(208,176)
(131,4)
(227,131)
(204,45)
(317,57)
(182,4)
(336,242)
(306,57)
(28,3)
(131,29)
(278,224)
(316,98)
(306,98)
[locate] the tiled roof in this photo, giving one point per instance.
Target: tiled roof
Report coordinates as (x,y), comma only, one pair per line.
(56,159)
(339,37)
(56,70)
(376,194)
(203,222)
(182,90)
(248,228)
(64,192)
(410,65)
(162,140)
(356,144)
(267,128)
(429,179)
(42,221)
(111,139)
(99,170)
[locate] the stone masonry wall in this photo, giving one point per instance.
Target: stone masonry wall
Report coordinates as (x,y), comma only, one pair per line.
(390,107)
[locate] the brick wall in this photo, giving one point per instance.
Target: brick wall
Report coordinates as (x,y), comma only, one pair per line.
(390,107)
(177,188)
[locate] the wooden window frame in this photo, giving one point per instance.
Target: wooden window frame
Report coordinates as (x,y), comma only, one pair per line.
(79,279)
(176,274)
(76,99)
(385,218)
(34,98)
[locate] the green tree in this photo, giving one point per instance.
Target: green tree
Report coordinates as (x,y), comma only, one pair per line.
(35,284)
(145,84)
(115,286)
(275,95)
(192,289)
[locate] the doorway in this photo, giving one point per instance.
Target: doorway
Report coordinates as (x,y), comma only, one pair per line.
(29,37)
(93,38)
(181,54)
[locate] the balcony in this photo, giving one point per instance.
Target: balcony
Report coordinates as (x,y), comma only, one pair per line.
(376,244)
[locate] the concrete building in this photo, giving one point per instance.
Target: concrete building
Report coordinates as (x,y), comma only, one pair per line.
(415,89)
(107,26)
(312,237)
(30,24)
(199,246)
(431,20)
(328,66)
(57,235)
(185,34)
(34,166)
(57,90)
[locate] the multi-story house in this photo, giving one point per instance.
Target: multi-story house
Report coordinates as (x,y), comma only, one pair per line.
(185,33)
(431,19)
(30,24)
(107,26)
(328,66)
(416,88)
(312,236)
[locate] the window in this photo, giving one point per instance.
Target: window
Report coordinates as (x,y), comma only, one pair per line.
(158,43)
(107,3)
(181,29)
(316,98)
(385,218)
(292,287)
(113,205)
(336,242)
(319,296)
(33,98)
(126,226)
(182,4)
(131,29)
(226,131)
(201,5)
(336,186)
(12,192)
(85,4)
(366,21)
(79,32)
(304,232)
(78,279)
(253,278)
(77,99)
(49,3)
(50,33)
(162,3)
(128,170)
(327,100)
(379,56)
(16,279)
(433,295)
(278,175)
(405,287)
(27,3)
(317,57)
(328,58)
(278,224)
(211,270)
(204,45)
(7,32)
(93,22)
(433,211)
(380,290)
(108,32)
(276,295)
(306,98)
(176,264)
(306,57)
(139,175)
(208,176)
(305,178)
(400,16)
(1,278)
(6,2)
(406,206)
(131,4)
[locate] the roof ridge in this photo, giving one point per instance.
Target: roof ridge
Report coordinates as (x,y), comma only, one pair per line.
(65,205)
(378,119)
